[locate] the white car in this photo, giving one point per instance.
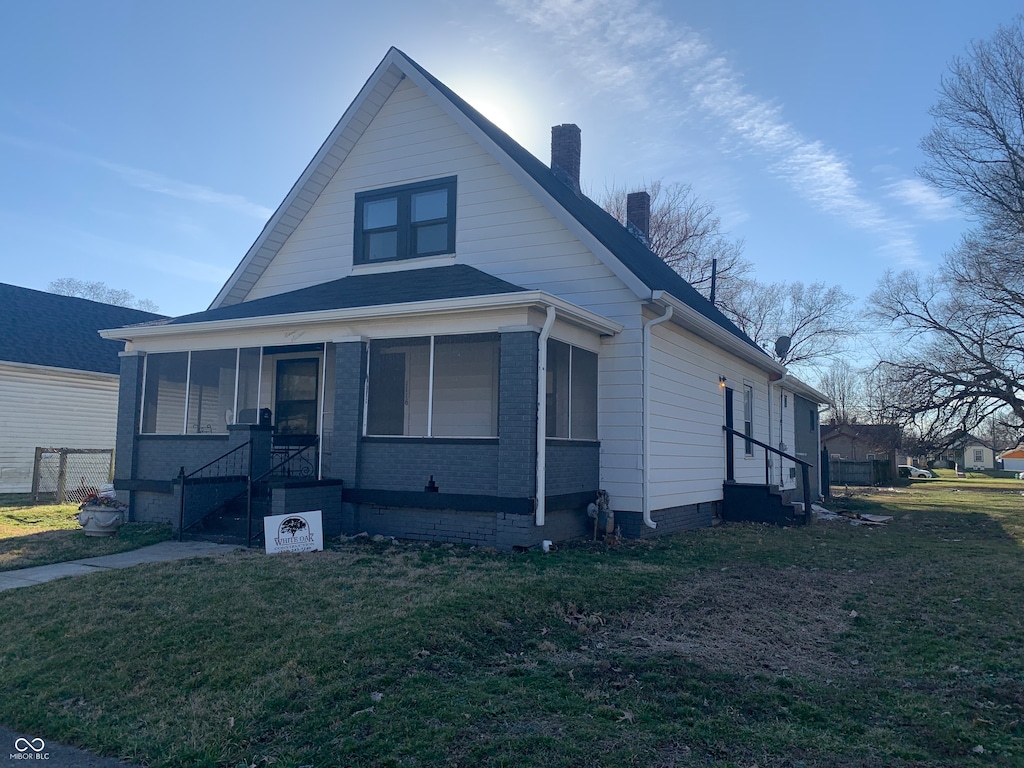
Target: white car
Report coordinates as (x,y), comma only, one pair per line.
(906,469)
(1020,476)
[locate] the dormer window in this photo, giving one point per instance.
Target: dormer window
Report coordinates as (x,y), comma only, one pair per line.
(405,222)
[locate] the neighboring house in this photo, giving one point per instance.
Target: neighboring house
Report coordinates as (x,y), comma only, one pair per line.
(58,378)
(1013,460)
(434,325)
(863,442)
(965,451)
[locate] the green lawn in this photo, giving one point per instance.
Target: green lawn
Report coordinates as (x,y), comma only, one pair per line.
(43,534)
(742,645)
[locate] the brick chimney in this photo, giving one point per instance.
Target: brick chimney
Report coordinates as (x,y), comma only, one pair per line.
(638,215)
(565,153)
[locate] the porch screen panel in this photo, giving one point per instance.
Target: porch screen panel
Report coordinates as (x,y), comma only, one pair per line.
(583,394)
(466,386)
(163,402)
(211,391)
(248,386)
(558,389)
(398,386)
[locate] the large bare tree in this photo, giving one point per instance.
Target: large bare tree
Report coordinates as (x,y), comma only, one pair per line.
(975,150)
(960,331)
(815,318)
(687,235)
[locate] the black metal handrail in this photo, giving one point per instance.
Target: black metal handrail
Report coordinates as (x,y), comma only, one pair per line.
(270,473)
(235,463)
(805,466)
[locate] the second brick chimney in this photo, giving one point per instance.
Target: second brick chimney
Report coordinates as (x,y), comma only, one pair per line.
(565,153)
(638,215)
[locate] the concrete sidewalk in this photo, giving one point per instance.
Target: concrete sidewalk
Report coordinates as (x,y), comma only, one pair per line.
(163,552)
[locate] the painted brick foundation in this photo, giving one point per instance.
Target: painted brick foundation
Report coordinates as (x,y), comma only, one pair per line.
(670,520)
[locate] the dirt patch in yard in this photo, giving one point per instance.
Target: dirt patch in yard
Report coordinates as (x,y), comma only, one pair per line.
(749,620)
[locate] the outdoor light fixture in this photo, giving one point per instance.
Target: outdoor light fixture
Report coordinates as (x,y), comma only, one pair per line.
(721,381)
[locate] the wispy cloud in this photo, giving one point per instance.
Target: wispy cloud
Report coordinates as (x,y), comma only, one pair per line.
(150,181)
(924,199)
(183,190)
(651,62)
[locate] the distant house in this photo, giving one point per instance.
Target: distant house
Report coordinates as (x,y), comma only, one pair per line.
(1013,460)
(439,337)
(863,442)
(58,378)
(965,451)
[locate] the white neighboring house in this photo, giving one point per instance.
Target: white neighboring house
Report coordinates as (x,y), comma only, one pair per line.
(58,377)
(458,344)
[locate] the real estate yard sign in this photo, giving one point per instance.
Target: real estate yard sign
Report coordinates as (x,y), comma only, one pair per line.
(297,532)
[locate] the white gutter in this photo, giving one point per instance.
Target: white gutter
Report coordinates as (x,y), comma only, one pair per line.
(542,413)
(646,460)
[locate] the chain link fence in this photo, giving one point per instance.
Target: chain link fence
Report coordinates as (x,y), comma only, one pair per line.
(69,475)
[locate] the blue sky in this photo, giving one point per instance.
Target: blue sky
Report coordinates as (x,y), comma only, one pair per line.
(145,144)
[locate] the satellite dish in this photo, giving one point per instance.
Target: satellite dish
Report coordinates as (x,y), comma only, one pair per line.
(782,345)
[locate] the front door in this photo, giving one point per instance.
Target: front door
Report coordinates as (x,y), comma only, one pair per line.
(297,398)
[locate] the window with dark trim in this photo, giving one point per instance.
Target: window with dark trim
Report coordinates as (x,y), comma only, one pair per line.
(405,222)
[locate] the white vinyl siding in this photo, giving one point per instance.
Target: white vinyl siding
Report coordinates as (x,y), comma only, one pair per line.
(687,412)
(51,408)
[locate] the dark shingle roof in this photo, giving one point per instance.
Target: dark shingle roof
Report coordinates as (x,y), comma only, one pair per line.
(452,282)
(40,328)
(639,259)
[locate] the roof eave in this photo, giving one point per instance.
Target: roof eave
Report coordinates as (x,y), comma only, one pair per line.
(694,321)
(566,310)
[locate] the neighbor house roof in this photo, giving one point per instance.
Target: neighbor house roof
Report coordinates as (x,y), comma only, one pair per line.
(1013,453)
(635,261)
(875,434)
(452,282)
(45,329)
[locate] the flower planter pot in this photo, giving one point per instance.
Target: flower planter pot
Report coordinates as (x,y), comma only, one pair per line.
(100,521)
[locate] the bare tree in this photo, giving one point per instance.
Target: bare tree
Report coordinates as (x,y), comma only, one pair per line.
(687,235)
(976,147)
(960,332)
(816,318)
(99,291)
(961,353)
(845,389)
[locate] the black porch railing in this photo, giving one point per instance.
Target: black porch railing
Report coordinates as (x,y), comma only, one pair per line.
(229,479)
(233,467)
(805,474)
(300,462)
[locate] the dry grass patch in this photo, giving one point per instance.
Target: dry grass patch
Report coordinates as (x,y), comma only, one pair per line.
(750,620)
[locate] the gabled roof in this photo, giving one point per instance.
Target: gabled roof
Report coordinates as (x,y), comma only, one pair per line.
(453,282)
(625,255)
(40,328)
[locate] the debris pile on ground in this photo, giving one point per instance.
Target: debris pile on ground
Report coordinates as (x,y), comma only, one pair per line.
(854,518)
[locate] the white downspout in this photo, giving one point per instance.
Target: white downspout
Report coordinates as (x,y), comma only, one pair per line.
(646,458)
(542,412)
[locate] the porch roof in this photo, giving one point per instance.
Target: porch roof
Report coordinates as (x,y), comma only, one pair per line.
(451,282)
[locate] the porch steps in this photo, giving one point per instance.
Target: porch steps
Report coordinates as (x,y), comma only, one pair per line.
(750,502)
(226,524)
